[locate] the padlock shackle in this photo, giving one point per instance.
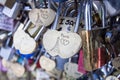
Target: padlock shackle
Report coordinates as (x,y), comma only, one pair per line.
(87,15)
(37,37)
(103,15)
(78,17)
(27,25)
(57,16)
(102,8)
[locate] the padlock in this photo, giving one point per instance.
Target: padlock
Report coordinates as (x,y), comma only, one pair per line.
(71,68)
(62,43)
(89,42)
(16,68)
(45,60)
(111,78)
(6,23)
(12,10)
(47,36)
(7,51)
(42,16)
(116,63)
(20,41)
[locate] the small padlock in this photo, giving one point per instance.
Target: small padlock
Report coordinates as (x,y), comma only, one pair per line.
(6,23)
(70,71)
(16,68)
(14,11)
(7,52)
(45,60)
(62,43)
(42,16)
(22,40)
(116,63)
(111,78)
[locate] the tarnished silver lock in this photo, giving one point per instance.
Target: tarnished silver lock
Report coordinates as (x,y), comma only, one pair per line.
(7,51)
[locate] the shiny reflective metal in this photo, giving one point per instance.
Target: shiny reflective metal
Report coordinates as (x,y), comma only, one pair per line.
(92,52)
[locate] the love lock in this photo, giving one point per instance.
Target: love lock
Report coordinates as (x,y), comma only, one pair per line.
(89,47)
(16,68)
(64,42)
(71,69)
(116,63)
(44,60)
(20,40)
(42,16)
(111,78)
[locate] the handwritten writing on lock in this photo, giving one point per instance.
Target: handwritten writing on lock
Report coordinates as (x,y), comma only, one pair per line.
(6,23)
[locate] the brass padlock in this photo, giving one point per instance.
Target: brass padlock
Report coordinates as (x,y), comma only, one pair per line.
(90,44)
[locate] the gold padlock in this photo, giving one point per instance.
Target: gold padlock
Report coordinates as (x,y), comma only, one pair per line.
(90,44)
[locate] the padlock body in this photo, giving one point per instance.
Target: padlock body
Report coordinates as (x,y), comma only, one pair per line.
(90,55)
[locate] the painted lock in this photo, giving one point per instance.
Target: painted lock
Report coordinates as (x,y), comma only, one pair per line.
(47,63)
(42,16)
(62,43)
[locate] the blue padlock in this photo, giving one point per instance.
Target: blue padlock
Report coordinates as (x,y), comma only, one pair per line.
(59,0)
(28,56)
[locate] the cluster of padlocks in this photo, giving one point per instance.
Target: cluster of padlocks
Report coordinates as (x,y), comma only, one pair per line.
(59,40)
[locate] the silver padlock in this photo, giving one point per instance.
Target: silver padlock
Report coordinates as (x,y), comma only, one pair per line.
(7,51)
(13,10)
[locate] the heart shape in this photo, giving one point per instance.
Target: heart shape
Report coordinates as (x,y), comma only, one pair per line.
(47,63)
(50,42)
(71,70)
(64,44)
(42,16)
(16,68)
(71,45)
(23,42)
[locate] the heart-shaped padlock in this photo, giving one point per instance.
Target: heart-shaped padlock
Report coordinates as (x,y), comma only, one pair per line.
(111,78)
(47,63)
(64,43)
(20,41)
(16,68)
(26,44)
(116,63)
(72,70)
(42,16)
